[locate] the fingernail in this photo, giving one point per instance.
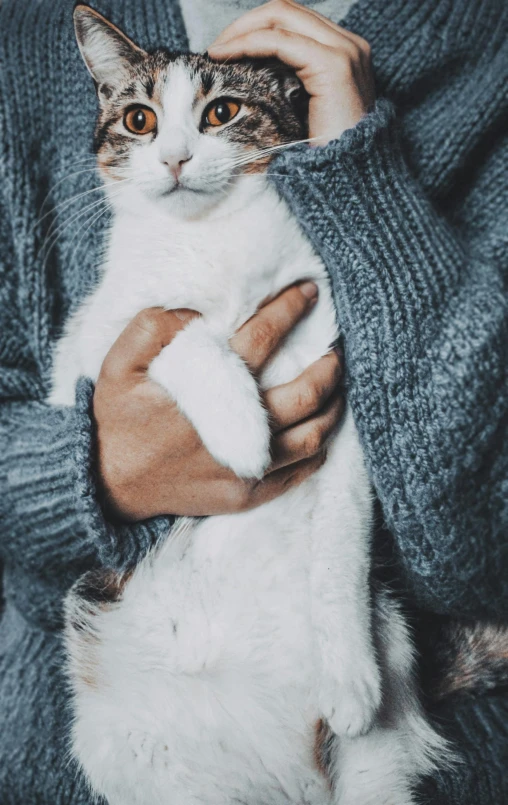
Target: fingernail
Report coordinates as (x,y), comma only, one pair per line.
(309,289)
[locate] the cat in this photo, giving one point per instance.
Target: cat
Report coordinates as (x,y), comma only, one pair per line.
(247,659)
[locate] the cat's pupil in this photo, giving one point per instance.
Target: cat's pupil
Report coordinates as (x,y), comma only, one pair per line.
(222,112)
(139,120)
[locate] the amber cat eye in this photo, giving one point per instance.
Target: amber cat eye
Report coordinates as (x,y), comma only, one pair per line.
(222,111)
(140,120)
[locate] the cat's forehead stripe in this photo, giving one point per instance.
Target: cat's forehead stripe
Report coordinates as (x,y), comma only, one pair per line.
(149,87)
(207,81)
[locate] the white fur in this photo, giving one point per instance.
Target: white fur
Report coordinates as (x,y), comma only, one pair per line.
(204,684)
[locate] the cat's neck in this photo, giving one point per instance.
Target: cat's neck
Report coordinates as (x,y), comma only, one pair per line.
(204,20)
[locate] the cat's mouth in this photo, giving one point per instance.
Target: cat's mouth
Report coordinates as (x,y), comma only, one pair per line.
(180,187)
(170,191)
(175,188)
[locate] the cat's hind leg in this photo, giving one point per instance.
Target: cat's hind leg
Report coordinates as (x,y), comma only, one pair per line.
(350,685)
(372,771)
(382,767)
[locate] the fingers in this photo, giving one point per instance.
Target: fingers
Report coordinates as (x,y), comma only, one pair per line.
(308,438)
(283,14)
(260,337)
(303,397)
(295,50)
(332,63)
(278,15)
(291,16)
(279,481)
(357,40)
(142,340)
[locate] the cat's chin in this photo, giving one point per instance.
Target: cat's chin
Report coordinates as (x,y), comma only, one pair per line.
(184,202)
(188,203)
(180,202)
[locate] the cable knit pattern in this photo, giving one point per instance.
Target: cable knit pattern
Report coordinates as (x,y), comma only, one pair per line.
(408,210)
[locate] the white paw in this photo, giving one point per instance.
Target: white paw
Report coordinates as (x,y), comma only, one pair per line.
(349,703)
(241,441)
(217,393)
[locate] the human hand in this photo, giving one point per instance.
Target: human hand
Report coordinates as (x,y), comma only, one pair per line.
(151,460)
(332,63)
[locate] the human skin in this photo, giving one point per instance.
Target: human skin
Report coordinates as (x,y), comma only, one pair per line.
(332,63)
(151,460)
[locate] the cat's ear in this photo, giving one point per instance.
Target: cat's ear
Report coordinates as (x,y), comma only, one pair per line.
(296,95)
(285,80)
(293,87)
(106,51)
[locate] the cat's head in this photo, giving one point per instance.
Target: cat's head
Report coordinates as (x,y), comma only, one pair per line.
(179,130)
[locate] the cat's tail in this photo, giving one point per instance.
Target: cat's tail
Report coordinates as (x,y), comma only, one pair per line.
(466,657)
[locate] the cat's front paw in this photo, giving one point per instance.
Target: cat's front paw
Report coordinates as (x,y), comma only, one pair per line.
(213,387)
(241,441)
(349,702)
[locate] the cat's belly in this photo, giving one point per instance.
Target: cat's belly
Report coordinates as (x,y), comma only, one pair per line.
(199,685)
(212,634)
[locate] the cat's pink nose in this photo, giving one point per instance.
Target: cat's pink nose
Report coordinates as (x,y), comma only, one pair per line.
(175,165)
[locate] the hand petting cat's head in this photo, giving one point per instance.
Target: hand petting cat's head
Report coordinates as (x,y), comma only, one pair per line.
(179,130)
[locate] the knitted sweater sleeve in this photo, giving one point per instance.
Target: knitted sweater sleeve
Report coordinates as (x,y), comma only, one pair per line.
(50,516)
(426,330)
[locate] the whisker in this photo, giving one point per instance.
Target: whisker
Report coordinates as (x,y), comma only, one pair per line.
(64,204)
(57,226)
(51,241)
(250,156)
(104,208)
(261,173)
(69,201)
(96,217)
(65,178)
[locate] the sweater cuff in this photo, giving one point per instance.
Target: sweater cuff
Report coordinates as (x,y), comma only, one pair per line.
(50,508)
(376,232)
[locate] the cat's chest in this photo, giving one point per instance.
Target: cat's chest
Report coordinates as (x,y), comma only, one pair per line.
(222,267)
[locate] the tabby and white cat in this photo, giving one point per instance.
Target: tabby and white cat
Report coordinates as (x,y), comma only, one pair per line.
(243,661)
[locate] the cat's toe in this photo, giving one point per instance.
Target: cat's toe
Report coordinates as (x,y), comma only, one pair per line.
(243,445)
(350,705)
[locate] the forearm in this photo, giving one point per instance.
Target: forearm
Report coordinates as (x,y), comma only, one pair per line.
(50,511)
(424,327)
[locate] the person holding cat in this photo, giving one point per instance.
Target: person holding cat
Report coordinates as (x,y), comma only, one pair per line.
(409,228)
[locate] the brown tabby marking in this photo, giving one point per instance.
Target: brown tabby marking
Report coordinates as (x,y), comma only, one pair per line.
(97,590)
(262,87)
(460,656)
(323,744)
(480,659)
(101,588)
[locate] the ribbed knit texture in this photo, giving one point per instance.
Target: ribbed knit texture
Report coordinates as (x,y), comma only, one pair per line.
(409,212)
(425,321)
(48,461)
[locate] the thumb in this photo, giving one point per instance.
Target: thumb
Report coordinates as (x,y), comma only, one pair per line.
(142,340)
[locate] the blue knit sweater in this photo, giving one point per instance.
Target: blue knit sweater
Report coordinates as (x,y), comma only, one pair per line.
(409,212)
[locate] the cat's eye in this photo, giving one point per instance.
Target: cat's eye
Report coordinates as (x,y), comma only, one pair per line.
(221,112)
(140,120)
